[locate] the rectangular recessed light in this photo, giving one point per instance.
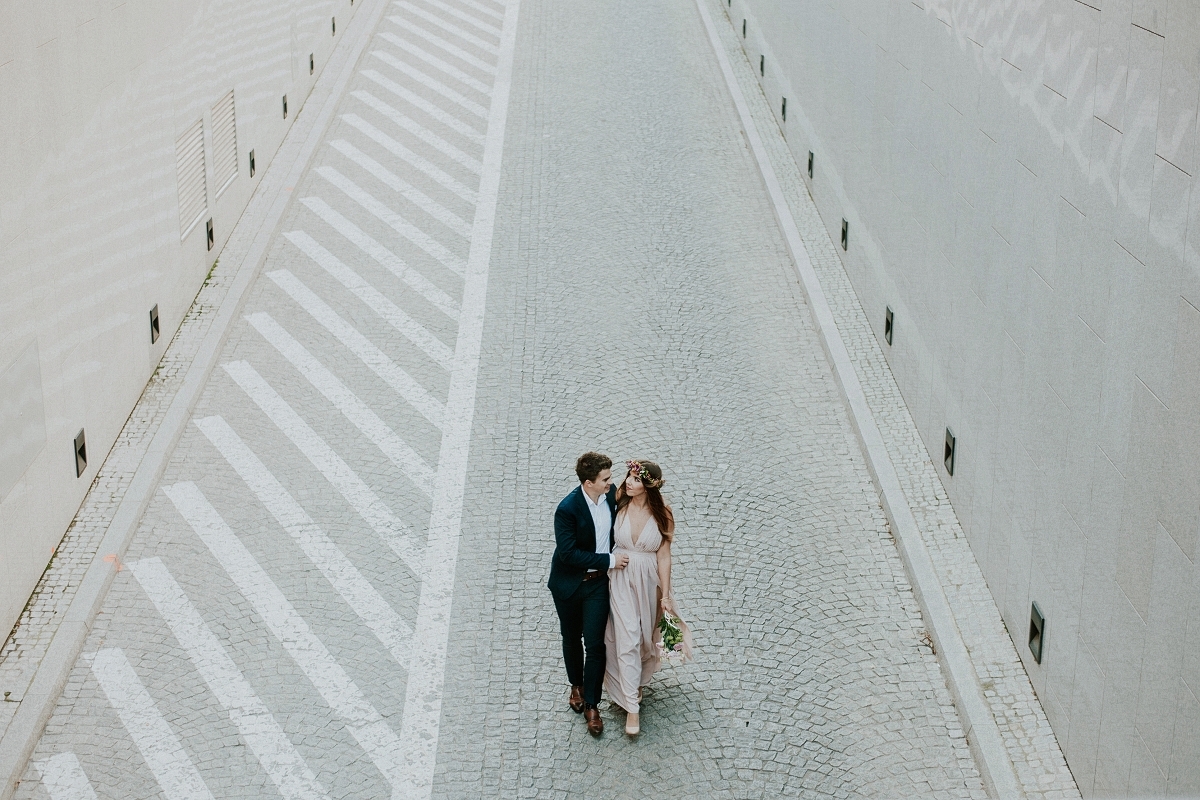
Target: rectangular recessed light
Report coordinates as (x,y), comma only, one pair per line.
(285,106)
(845,234)
(80,453)
(333,26)
(783,109)
(1037,633)
(948,457)
(154,324)
(312,64)
(762,65)
(810,164)
(209,229)
(888,325)
(251,163)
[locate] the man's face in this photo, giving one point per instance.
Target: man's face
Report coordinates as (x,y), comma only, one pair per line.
(600,485)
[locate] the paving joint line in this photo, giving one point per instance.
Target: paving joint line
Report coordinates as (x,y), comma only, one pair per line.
(254,232)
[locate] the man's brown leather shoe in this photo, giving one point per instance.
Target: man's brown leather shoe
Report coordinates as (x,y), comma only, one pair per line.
(576,701)
(594,723)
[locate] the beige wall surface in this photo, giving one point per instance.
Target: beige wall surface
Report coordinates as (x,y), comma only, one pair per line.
(1018,180)
(94,95)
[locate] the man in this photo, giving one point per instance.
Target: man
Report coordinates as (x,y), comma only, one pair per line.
(583,534)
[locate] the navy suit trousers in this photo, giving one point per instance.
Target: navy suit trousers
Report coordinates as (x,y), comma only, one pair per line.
(582,618)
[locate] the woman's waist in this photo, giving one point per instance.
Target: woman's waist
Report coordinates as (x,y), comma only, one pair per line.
(635,553)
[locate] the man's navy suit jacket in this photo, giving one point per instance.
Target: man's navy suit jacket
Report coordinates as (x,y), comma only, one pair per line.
(575,542)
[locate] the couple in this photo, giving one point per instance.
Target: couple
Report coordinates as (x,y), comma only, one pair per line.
(611,578)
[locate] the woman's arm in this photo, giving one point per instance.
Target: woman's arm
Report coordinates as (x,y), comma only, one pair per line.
(664,575)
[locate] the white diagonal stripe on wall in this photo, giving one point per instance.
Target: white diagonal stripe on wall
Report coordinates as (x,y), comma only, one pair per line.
(404,384)
(336,688)
(363,598)
(412,98)
(443,45)
(255,723)
(384,257)
(172,768)
(412,330)
(437,63)
(403,188)
(64,778)
(427,670)
(361,498)
(430,83)
(387,216)
(449,27)
(354,409)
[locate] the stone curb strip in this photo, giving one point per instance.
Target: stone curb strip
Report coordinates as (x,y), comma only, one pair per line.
(252,235)
(995,767)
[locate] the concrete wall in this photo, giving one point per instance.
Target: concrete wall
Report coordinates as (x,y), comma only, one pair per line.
(1017,176)
(94,95)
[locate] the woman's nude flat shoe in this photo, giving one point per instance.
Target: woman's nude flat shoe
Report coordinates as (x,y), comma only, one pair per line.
(631,725)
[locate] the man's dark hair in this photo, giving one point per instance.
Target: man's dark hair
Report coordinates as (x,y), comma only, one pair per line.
(590,465)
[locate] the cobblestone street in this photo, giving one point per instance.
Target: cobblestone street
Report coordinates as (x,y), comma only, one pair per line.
(338,588)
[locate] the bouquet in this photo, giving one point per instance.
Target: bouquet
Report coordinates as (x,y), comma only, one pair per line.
(670,646)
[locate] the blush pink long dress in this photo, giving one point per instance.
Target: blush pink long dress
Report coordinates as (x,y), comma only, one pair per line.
(630,652)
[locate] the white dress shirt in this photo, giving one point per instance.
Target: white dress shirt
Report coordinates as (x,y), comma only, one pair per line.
(602,518)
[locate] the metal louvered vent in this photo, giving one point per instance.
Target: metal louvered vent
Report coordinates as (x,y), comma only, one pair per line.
(224,143)
(189,169)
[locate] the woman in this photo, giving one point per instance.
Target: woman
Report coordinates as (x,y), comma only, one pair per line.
(645,528)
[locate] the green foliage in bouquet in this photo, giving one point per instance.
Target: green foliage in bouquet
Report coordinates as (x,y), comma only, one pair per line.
(671,645)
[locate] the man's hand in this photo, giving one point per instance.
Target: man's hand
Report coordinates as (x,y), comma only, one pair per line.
(620,559)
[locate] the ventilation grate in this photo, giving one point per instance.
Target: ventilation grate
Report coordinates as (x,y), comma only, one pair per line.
(189,168)
(224,143)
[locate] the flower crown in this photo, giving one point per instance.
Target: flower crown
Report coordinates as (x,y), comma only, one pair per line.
(639,471)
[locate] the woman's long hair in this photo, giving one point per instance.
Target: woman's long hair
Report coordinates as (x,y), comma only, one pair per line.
(654,499)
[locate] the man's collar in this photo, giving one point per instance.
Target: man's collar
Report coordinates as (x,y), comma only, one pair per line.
(588,499)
